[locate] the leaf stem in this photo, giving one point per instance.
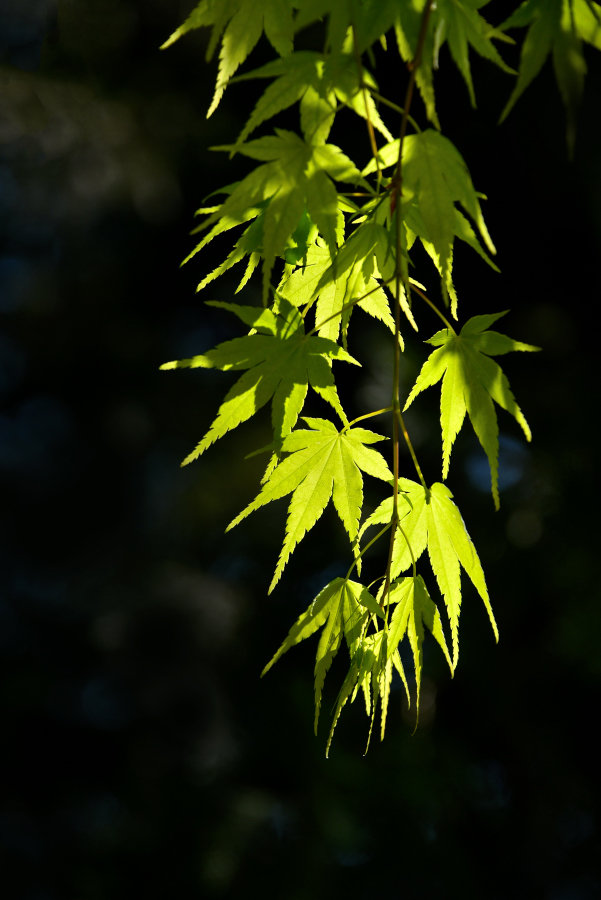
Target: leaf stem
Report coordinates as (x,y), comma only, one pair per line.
(413,563)
(411,450)
(397,183)
(370,415)
(399,109)
(365,549)
(432,306)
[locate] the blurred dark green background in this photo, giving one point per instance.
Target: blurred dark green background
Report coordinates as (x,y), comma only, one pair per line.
(141,755)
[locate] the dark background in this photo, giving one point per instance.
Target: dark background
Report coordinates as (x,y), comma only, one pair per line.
(141,754)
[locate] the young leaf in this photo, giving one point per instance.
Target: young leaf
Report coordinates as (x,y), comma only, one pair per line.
(368,666)
(329,78)
(282,362)
(249,244)
(239,25)
(414,609)
(323,463)
(460,23)
(429,518)
(556,27)
(293,74)
(207,12)
(343,607)
(435,177)
(407,29)
(334,288)
(470,383)
(295,176)
(341,75)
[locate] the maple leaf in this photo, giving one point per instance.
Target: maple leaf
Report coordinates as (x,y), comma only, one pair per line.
(319,82)
(369,667)
(460,23)
(374,656)
(407,30)
(435,178)
(342,607)
(296,176)
(340,15)
(323,463)
(341,76)
(429,519)
(470,383)
(248,244)
(414,609)
(556,27)
(282,361)
(238,24)
(334,287)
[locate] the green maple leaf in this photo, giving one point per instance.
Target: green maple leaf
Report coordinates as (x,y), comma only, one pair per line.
(407,29)
(373,656)
(369,668)
(414,609)
(319,82)
(323,463)
(457,22)
(282,361)
(470,383)
(341,76)
(557,28)
(238,25)
(429,519)
(435,178)
(460,23)
(340,15)
(334,291)
(342,608)
(293,75)
(296,176)
(250,243)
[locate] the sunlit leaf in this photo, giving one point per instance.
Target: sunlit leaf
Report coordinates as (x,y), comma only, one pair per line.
(429,519)
(323,464)
(470,383)
(282,362)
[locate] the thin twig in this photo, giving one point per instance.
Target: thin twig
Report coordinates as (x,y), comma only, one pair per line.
(370,415)
(386,102)
(365,549)
(397,184)
(410,447)
(433,306)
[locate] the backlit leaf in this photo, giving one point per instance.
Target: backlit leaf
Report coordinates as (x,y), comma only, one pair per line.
(470,383)
(557,28)
(342,608)
(281,361)
(414,609)
(429,519)
(460,23)
(435,178)
(285,184)
(323,464)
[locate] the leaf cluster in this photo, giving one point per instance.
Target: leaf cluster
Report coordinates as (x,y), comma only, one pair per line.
(331,235)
